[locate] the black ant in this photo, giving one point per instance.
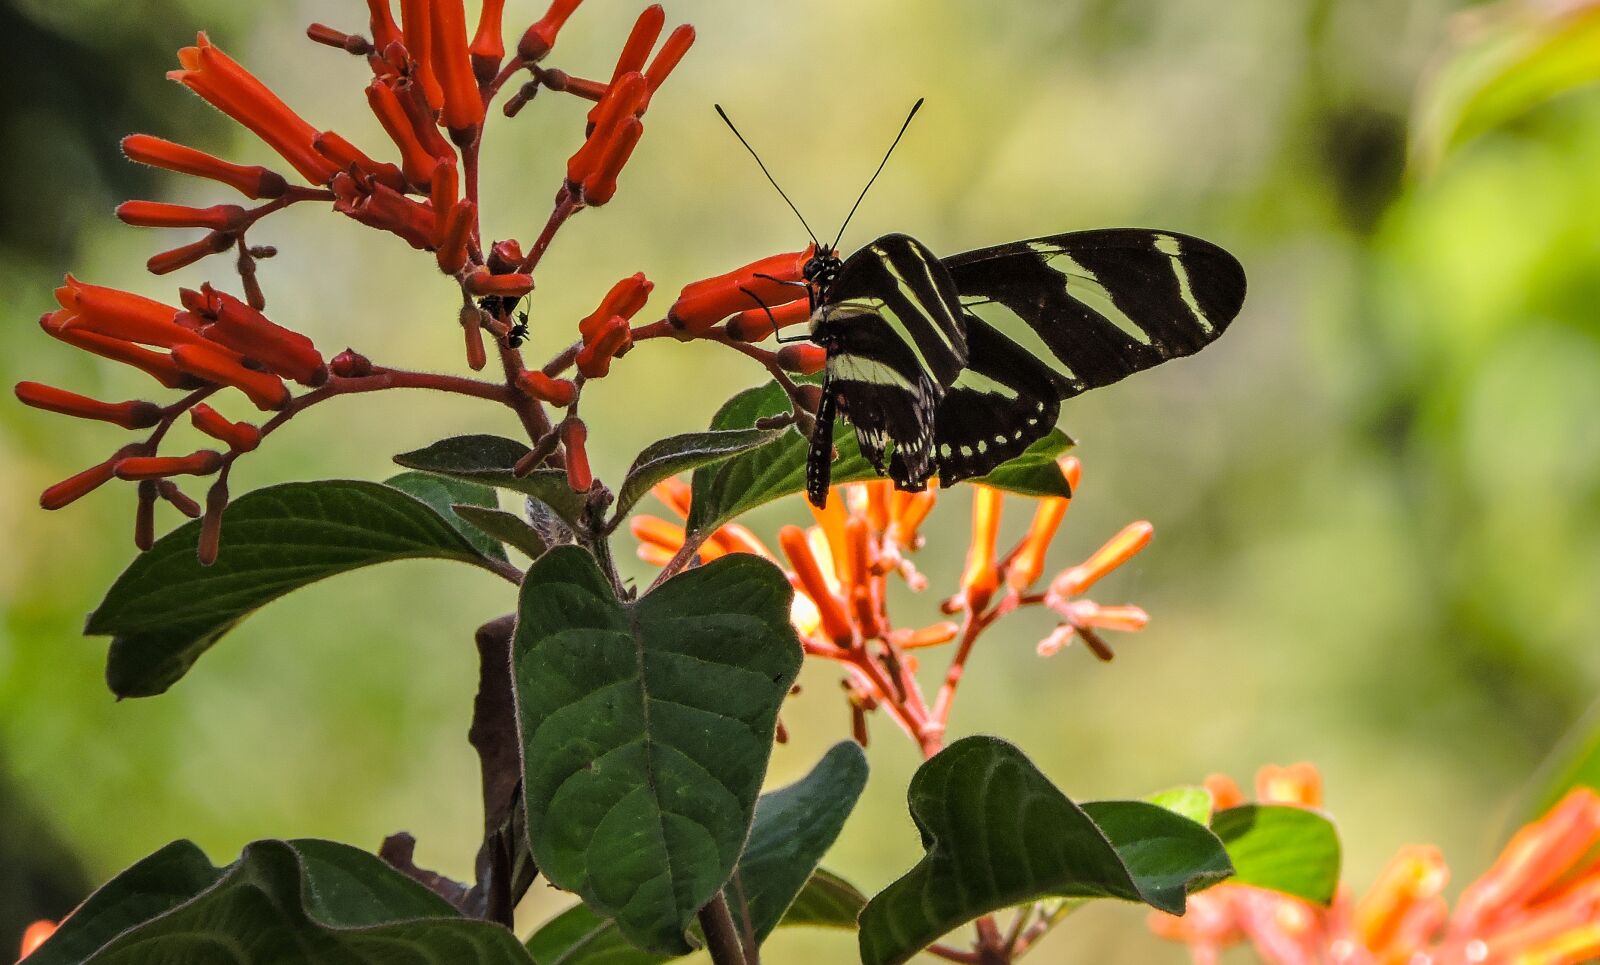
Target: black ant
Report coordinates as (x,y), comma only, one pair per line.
(519,331)
(496,306)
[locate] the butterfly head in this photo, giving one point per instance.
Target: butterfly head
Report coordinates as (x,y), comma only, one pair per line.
(822,268)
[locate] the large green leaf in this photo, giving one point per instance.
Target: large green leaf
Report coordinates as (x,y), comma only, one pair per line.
(508,528)
(646,729)
(1289,849)
(166,609)
(488,460)
(444,494)
(303,901)
(998,833)
(578,936)
(1034,472)
(668,457)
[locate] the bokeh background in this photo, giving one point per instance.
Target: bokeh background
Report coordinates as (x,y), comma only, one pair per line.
(1378,532)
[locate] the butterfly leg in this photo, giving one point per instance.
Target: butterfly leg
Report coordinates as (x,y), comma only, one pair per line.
(811,304)
(819,459)
(775,333)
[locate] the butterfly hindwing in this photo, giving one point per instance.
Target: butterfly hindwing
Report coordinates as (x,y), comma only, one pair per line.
(999,405)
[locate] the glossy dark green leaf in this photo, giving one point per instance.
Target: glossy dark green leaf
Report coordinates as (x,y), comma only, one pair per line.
(646,729)
(488,460)
(300,901)
(444,494)
(998,833)
(1289,849)
(508,528)
(668,457)
(165,610)
(1035,472)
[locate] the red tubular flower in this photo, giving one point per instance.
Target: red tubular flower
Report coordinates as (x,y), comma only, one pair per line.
(703,304)
(416,22)
(251,181)
(907,511)
(574,435)
(594,359)
(380,206)
(1536,857)
(416,161)
(445,189)
(120,314)
(667,58)
(157,365)
(488,48)
(75,487)
(201,463)
(609,118)
(625,298)
(384,30)
(156,214)
(600,185)
(804,358)
(452,63)
(339,40)
(233,90)
(341,152)
(484,282)
(239,436)
(233,324)
(641,40)
(183,256)
(558,392)
(217,364)
(540,37)
(758,324)
(454,234)
(128,415)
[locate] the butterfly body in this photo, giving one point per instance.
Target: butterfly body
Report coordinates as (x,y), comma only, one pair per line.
(926,357)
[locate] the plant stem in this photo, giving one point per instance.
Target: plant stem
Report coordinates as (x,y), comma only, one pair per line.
(722,938)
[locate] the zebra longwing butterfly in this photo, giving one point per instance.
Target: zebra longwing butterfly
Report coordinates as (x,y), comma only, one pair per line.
(923,357)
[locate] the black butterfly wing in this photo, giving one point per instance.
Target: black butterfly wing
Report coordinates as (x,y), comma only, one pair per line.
(1101,305)
(891,323)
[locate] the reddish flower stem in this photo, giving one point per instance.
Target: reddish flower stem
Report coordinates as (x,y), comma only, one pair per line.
(566,207)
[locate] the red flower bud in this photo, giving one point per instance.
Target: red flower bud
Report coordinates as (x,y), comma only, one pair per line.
(156,214)
(202,463)
(536,43)
(574,435)
(452,62)
(211,523)
(667,58)
(756,325)
(338,39)
(472,327)
(702,304)
(144,515)
(240,436)
(610,340)
(185,255)
(217,364)
(625,298)
(505,256)
(623,99)
(237,326)
(444,187)
(233,90)
(640,41)
(120,314)
(415,160)
(601,185)
(128,415)
(380,206)
(416,23)
(351,364)
(514,285)
(557,392)
(75,487)
(341,152)
(169,491)
(803,357)
(453,237)
(488,49)
(253,181)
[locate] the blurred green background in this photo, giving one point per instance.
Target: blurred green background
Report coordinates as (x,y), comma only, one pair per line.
(1378,531)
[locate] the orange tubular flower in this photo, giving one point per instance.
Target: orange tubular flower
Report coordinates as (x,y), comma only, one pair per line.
(615,131)
(513,285)
(594,359)
(625,298)
(128,415)
(380,206)
(233,324)
(803,358)
(540,37)
(121,315)
(156,214)
(453,238)
(416,23)
(574,435)
(155,364)
(35,936)
(641,40)
(233,90)
(981,577)
(808,572)
(668,57)
(341,152)
(703,304)
(1118,550)
(201,463)
(183,256)
(75,487)
(240,436)
(758,324)
(416,161)
(600,185)
(251,181)
(216,364)
(558,392)
(384,30)
(488,49)
(1027,565)
(452,61)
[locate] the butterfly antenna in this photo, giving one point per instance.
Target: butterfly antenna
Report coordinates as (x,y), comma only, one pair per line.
(774,181)
(914,108)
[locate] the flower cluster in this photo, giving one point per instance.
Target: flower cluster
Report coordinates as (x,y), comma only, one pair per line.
(430,86)
(1538,904)
(841,566)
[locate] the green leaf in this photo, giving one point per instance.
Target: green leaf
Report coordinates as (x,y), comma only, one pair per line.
(488,460)
(508,528)
(301,901)
(578,936)
(1508,63)
(1289,849)
(1190,800)
(166,609)
(1034,472)
(444,494)
(776,881)
(998,833)
(668,457)
(646,728)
